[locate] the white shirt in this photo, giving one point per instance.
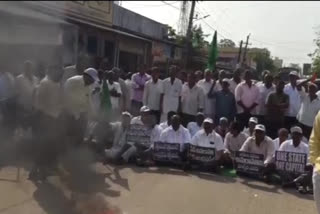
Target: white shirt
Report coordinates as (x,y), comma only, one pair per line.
(294,100)
(232,143)
(155,134)
(115,101)
(202,139)
(266,148)
(193,128)
(7,86)
(136,121)
(129,84)
(152,93)
(164,125)
(247,132)
(247,95)
(69,71)
(171,92)
(181,136)
(308,109)
(208,103)
(77,96)
(232,86)
(49,97)
(288,146)
(264,92)
(191,99)
(25,89)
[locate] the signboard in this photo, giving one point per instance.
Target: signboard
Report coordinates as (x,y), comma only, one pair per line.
(306,69)
(96,11)
(139,134)
(291,162)
(249,162)
(166,152)
(201,155)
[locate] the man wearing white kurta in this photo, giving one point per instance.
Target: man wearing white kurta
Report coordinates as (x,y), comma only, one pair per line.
(171,96)
(192,100)
(206,84)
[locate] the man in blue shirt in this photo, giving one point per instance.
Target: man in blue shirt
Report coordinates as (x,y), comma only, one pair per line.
(225,102)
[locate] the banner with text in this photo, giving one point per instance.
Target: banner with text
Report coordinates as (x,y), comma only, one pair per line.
(201,155)
(139,134)
(291,162)
(166,152)
(249,162)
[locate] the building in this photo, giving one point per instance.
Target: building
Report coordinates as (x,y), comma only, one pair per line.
(277,62)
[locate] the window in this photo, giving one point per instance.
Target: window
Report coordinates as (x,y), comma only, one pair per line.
(92,45)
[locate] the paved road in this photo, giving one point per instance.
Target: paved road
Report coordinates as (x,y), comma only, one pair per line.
(155,191)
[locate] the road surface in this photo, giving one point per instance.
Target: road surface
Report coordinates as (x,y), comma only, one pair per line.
(155,191)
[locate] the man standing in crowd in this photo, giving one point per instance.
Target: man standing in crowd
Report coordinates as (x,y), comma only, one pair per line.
(78,91)
(247,97)
(218,83)
(314,157)
(176,133)
(265,89)
(152,93)
(194,127)
(123,87)
(199,75)
(171,96)
(294,100)
(139,80)
(206,84)
(208,138)
(276,105)
(192,100)
(233,142)
(49,126)
(115,94)
(253,121)
(235,81)
(26,84)
(129,85)
(310,106)
(225,104)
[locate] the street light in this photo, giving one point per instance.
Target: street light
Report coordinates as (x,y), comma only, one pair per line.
(196,18)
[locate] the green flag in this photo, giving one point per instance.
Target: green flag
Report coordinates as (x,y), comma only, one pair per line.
(213,53)
(105,98)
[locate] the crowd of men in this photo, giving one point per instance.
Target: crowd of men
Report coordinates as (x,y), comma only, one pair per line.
(238,114)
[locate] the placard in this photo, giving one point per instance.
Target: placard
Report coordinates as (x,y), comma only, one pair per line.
(249,162)
(201,155)
(139,134)
(291,162)
(166,152)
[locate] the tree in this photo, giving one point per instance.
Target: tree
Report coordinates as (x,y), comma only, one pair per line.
(263,60)
(315,56)
(198,37)
(294,65)
(227,43)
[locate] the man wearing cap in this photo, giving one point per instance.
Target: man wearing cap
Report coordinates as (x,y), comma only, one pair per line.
(247,98)
(152,93)
(218,83)
(294,99)
(260,144)
(310,106)
(225,104)
(194,127)
(208,138)
(144,118)
(78,91)
(253,121)
(223,127)
(297,146)
(176,133)
(171,96)
(205,84)
(265,89)
(192,100)
(276,105)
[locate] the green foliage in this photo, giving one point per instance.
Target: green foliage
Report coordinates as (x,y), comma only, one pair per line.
(263,60)
(227,43)
(198,37)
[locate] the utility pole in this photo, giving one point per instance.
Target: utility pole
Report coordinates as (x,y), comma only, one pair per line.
(245,50)
(189,34)
(240,50)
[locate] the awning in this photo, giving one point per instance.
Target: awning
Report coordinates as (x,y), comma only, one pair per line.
(19,9)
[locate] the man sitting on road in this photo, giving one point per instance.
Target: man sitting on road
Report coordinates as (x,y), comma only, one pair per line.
(283,135)
(194,127)
(167,123)
(253,121)
(207,137)
(233,142)
(297,146)
(222,129)
(261,144)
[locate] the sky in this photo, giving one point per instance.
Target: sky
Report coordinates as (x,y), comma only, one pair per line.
(286,28)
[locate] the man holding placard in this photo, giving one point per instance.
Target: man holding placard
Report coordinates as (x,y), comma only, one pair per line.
(208,138)
(262,145)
